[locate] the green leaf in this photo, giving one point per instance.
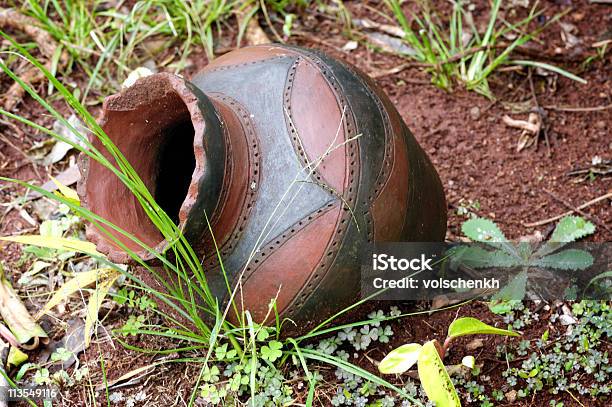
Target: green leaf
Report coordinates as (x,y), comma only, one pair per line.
(571,228)
(272,351)
(275,345)
(61,354)
(263,334)
(515,289)
(400,359)
(473,326)
(548,67)
(500,258)
(221,351)
(482,230)
(435,379)
(501,307)
(469,256)
(605,274)
(571,259)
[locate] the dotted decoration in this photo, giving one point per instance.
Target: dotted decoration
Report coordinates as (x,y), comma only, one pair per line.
(385,172)
(281,239)
(295,141)
(254,175)
(349,194)
(257,62)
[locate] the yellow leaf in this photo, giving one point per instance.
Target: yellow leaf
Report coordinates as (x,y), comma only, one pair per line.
(16,357)
(95,301)
(16,315)
(80,280)
(57,243)
(68,193)
(435,379)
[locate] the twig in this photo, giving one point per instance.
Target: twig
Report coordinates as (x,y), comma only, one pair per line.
(262,5)
(540,113)
(577,109)
(578,210)
(567,391)
(309,37)
(394,70)
(584,205)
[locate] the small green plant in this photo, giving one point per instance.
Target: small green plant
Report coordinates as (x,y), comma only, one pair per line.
(130,298)
(505,254)
(450,58)
(576,361)
(429,357)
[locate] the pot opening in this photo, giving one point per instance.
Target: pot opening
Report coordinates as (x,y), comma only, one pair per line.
(175,165)
(152,124)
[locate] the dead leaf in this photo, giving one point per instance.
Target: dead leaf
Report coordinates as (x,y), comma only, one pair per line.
(567,35)
(386,28)
(529,126)
(511,396)
(350,46)
(531,129)
(95,301)
(389,44)
(78,282)
(474,344)
(130,378)
(73,341)
(67,177)
(27,332)
(254,34)
(61,148)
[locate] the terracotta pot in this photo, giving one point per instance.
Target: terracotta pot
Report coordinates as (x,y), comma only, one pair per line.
(297,159)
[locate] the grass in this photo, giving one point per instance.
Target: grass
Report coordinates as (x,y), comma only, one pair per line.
(207,330)
(108,43)
(451,59)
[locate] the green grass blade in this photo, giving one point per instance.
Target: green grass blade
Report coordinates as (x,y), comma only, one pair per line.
(548,67)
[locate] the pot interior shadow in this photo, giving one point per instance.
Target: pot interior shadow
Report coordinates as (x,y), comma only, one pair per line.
(175,166)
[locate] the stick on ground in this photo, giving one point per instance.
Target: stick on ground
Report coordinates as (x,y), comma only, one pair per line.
(573,210)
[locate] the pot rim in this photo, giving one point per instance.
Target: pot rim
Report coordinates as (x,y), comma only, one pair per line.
(179,86)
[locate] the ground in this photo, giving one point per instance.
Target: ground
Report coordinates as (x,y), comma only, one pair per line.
(466,138)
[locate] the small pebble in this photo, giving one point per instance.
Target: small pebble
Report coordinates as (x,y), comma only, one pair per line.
(349,46)
(567,320)
(475,113)
(511,396)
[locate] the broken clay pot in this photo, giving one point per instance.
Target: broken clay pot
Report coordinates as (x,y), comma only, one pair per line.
(298,161)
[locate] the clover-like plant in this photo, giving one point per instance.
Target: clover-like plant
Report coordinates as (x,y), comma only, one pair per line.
(505,254)
(433,374)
